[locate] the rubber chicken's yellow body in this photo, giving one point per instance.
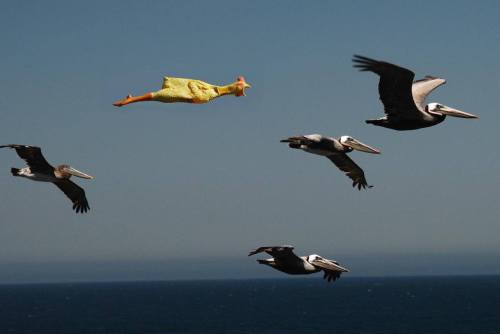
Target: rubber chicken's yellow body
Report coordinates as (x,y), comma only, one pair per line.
(189,91)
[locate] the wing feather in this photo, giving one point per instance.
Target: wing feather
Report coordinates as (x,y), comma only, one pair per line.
(394,87)
(75,193)
(423,87)
(331,269)
(276,251)
(33,157)
(351,169)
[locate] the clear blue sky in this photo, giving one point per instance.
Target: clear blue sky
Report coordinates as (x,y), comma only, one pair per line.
(207,183)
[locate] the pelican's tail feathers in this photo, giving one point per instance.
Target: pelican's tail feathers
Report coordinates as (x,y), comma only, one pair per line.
(375,121)
(15,171)
(269,262)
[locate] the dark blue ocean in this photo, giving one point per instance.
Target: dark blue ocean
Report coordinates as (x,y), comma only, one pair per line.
(352,305)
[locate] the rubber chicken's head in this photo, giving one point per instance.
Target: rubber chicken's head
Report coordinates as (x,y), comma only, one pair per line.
(241,85)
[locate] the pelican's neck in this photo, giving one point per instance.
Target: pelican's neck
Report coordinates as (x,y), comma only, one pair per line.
(341,146)
(347,149)
(227,90)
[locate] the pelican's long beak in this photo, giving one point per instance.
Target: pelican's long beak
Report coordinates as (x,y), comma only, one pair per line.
(333,263)
(445,110)
(76,172)
(342,268)
(359,146)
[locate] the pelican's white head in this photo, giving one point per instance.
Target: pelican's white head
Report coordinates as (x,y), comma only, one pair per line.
(442,110)
(314,257)
(357,145)
(345,139)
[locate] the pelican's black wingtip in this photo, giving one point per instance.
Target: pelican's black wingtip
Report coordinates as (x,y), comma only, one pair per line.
(81,208)
(361,186)
(364,64)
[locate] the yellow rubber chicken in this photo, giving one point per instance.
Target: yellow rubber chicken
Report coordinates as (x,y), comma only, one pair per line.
(188,90)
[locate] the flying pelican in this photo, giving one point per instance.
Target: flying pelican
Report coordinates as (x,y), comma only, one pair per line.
(40,170)
(335,150)
(283,259)
(404,99)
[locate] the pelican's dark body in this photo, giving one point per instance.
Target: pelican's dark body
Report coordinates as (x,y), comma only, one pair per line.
(292,266)
(49,174)
(406,124)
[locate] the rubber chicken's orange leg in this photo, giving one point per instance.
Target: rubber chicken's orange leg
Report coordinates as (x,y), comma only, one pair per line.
(131,99)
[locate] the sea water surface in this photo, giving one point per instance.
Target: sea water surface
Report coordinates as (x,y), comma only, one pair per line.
(351,305)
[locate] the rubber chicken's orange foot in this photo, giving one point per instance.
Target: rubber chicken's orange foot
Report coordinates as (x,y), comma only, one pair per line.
(131,99)
(188,91)
(123,102)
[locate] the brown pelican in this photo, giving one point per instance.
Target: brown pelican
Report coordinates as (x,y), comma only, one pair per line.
(335,150)
(40,170)
(283,259)
(404,99)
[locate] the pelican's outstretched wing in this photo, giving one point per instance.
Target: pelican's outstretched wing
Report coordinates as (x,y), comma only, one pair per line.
(394,87)
(75,194)
(285,251)
(351,169)
(33,157)
(423,87)
(332,270)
